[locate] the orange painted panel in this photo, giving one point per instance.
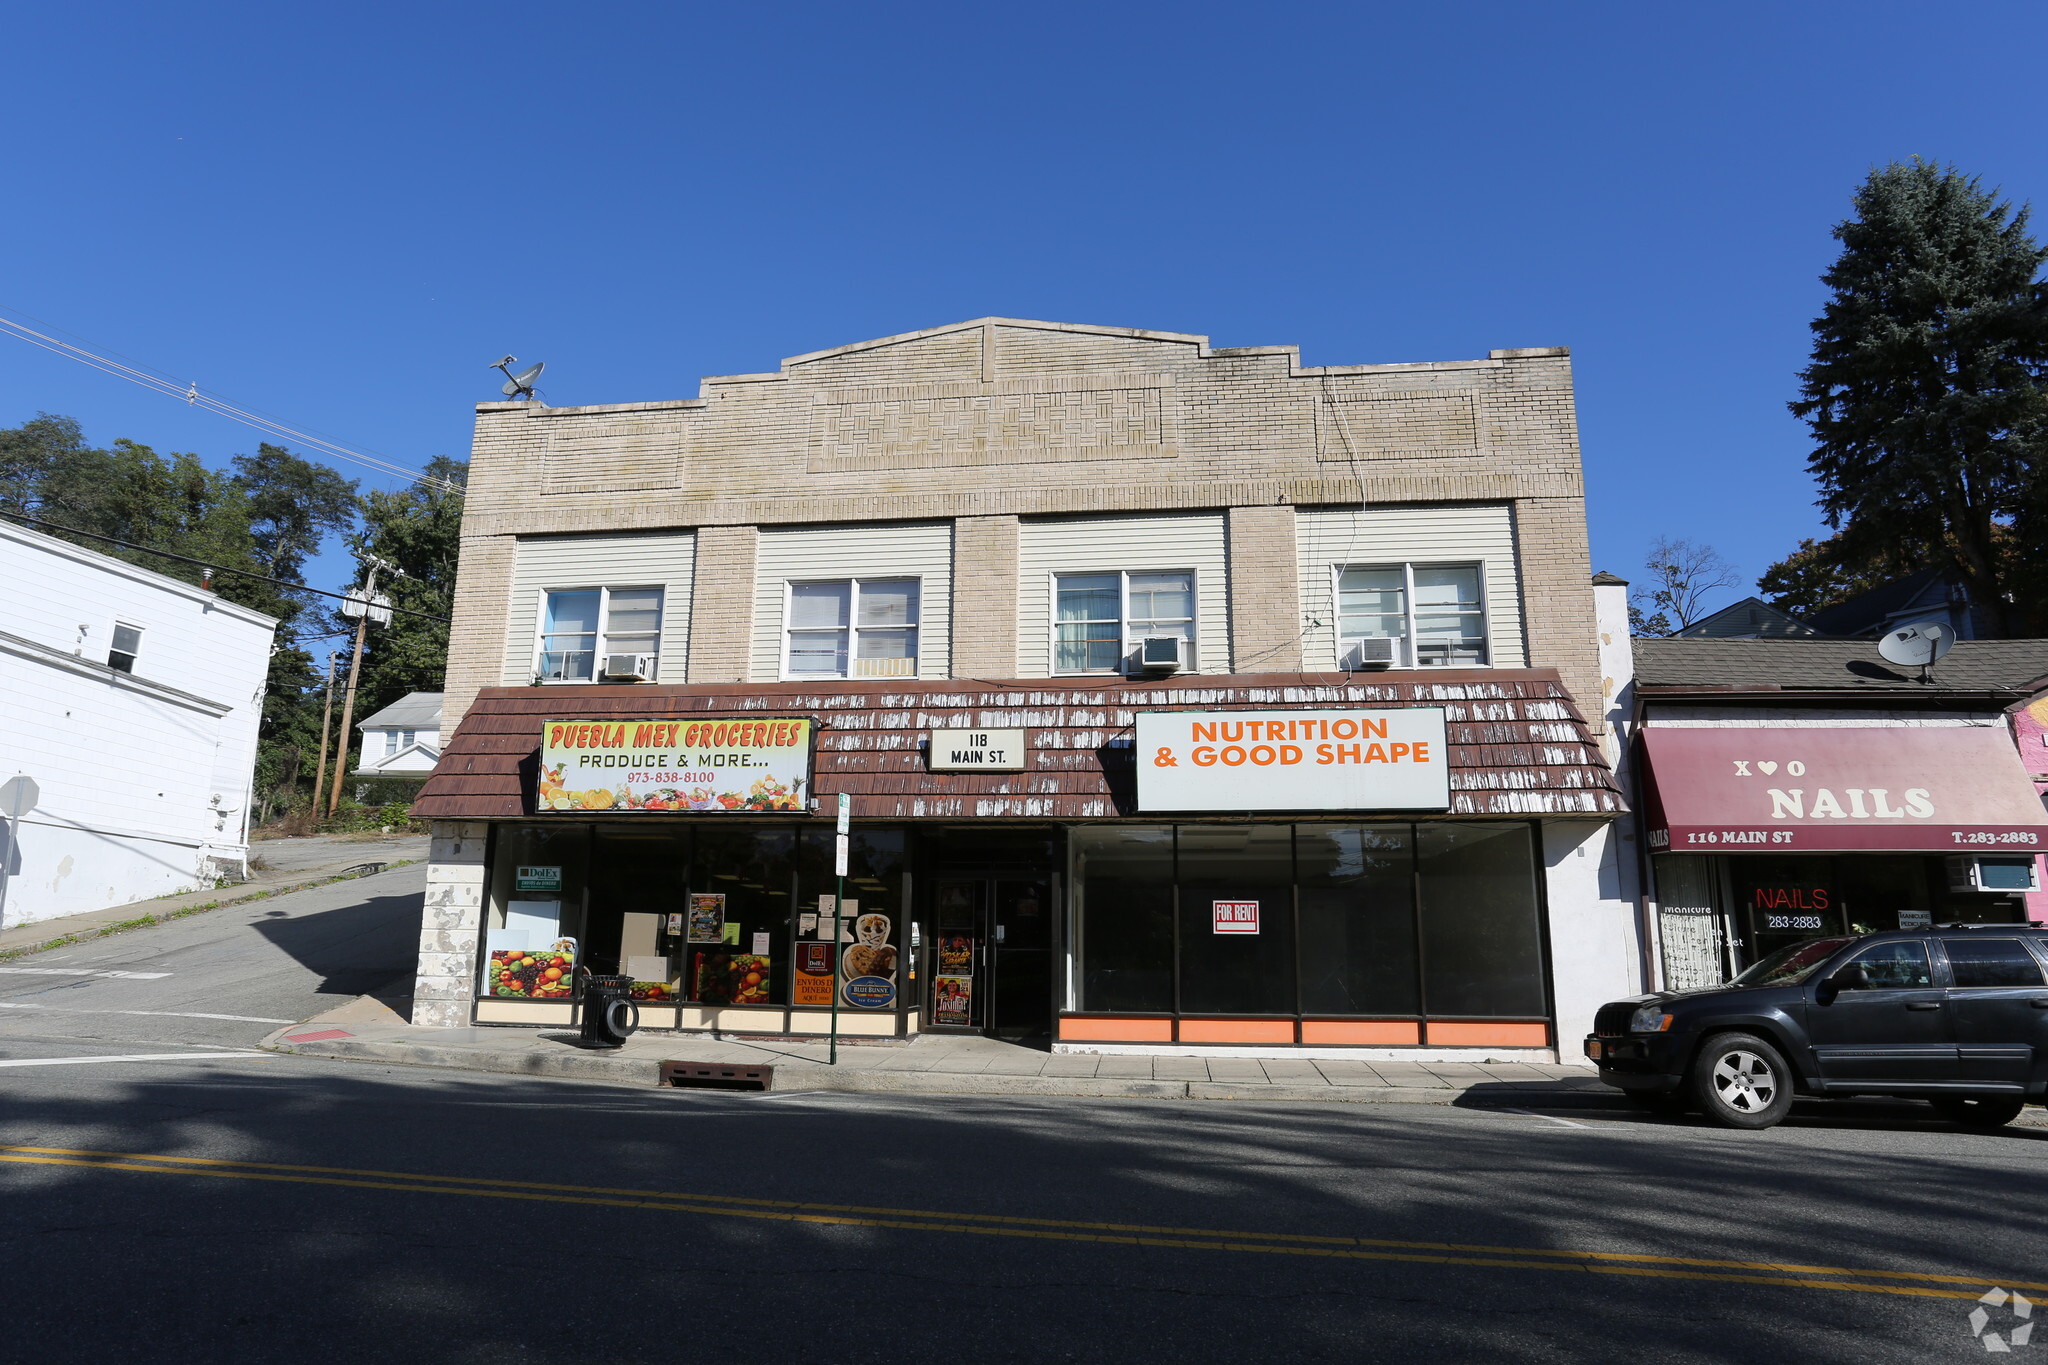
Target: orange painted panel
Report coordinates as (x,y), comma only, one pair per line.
(1489,1035)
(1116,1030)
(1237,1030)
(1377,1032)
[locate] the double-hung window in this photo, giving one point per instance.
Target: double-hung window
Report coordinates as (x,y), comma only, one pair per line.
(852,628)
(580,627)
(1099,618)
(394,740)
(123,648)
(1434,613)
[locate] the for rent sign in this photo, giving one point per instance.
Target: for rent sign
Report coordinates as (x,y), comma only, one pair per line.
(1350,759)
(735,764)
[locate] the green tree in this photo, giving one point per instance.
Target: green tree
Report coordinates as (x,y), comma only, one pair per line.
(419,531)
(1926,391)
(1826,573)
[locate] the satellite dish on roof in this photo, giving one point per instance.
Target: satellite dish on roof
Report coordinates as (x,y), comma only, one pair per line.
(518,385)
(1919,644)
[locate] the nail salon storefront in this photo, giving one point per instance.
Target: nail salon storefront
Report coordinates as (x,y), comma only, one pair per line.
(1410,863)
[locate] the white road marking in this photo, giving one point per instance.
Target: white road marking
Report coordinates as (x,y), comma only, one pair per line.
(1569,1123)
(134,1057)
(81,971)
(152,1014)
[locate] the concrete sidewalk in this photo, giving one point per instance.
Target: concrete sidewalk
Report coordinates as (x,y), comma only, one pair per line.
(365,1030)
(298,863)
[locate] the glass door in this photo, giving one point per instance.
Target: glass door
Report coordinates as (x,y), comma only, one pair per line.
(991,962)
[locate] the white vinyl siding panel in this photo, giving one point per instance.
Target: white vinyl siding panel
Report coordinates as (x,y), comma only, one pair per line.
(1113,544)
(1484,534)
(544,564)
(811,554)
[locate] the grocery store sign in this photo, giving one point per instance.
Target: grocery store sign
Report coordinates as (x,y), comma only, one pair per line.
(1345,759)
(724,764)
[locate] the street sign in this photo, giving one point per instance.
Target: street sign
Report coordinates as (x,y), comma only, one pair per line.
(839,857)
(18,796)
(845,811)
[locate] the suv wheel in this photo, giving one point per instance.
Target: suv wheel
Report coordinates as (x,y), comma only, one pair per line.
(1986,1113)
(1740,1081)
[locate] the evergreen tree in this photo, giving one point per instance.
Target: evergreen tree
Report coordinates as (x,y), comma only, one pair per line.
(1928,388)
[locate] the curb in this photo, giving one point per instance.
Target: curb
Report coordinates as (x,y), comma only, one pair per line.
(144,921)
(645,1073)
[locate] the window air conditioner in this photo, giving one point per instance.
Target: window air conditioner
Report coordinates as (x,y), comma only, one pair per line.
(1998,876)
(1372,653)
(1161,654)
(629,667)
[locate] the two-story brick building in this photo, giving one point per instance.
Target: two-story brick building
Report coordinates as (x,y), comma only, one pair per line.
(1185,698)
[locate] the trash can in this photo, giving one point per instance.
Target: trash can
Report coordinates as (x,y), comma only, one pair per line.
(609,1013)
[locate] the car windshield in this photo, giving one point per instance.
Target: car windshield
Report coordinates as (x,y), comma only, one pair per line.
(1792,963)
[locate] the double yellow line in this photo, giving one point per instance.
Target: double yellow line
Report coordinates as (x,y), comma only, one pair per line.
(1907,1283)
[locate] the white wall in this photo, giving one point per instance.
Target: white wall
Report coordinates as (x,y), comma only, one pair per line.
(920,549)
(544,564)
(144,778)
(1450,533)
(1113,544)
(1590,880)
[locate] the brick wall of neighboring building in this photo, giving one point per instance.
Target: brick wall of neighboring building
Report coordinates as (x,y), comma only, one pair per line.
(986,421)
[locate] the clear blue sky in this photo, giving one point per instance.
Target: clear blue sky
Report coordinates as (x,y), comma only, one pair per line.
(343,214)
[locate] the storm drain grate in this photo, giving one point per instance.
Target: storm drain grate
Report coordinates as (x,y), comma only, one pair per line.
(717,1076)
(363,870)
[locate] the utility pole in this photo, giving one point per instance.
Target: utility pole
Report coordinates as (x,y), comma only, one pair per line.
(326,716)
(365,607)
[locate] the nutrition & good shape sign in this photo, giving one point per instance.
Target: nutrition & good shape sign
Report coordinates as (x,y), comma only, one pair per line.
(723,764)
(1343,759)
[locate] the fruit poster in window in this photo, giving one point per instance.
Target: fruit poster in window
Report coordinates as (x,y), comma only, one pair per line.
(737,765)
(749,979)
(707,918)
(534,974)
(953,1000)
(956,954)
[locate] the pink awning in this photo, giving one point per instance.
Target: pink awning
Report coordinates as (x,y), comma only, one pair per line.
(1952,789)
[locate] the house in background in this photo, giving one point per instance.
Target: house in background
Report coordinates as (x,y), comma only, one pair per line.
(1923,596)
(403,739)
(1750,619)
(130,700)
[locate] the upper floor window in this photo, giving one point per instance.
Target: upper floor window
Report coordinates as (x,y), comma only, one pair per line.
(1435,613)
(127,643)
(579,628)
(1100,618)
(394,740)
(852,628)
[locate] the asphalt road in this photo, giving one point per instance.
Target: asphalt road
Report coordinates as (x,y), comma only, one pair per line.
(254,1207)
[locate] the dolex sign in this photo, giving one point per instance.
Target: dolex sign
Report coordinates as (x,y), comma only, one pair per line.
(1345,759)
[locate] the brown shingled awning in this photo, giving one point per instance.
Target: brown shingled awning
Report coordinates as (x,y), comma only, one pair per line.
(1518,744)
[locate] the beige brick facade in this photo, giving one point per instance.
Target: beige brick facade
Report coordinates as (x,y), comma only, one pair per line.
(985,422)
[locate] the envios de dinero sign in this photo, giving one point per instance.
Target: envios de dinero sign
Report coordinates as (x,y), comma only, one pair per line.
(1341,759)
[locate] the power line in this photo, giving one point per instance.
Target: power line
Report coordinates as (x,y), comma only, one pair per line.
(204,564)
(156,381)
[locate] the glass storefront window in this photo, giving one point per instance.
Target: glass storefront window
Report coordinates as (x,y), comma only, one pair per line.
(1224,970)
(1482,937)
(1357,919)
(876,860)
(537,886)
(754,870)
(1122,881)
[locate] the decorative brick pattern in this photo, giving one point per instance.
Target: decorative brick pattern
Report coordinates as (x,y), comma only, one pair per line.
(722,603)
(985,597)
(1265,596)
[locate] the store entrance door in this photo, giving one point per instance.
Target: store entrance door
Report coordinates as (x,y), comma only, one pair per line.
(991,961)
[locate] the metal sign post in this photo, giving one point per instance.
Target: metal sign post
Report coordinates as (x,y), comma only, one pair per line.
(18,796)
(838,916)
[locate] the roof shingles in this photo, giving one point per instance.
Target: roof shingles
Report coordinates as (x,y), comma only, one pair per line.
(1518,745)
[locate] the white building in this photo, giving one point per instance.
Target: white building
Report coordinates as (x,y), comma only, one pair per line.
(131,700)
(403,739)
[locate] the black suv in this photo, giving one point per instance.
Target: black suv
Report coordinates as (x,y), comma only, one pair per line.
(1955,1016)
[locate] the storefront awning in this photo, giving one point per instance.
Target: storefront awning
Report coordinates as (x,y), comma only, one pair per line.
(1758,789)
(1516,741)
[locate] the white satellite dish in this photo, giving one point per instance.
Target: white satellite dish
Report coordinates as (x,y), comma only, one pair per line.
(1919,644)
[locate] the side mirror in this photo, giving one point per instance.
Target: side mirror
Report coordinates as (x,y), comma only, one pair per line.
(1848,978)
